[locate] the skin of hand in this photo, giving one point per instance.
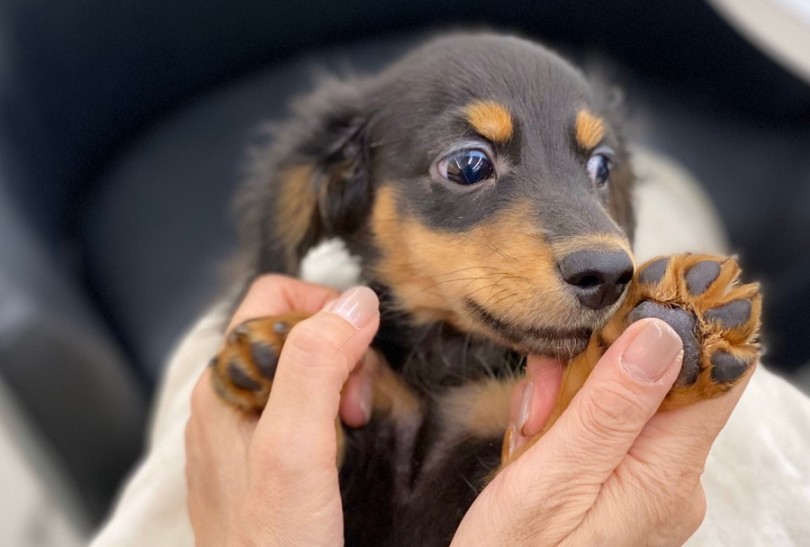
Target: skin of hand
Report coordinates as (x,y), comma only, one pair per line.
(272,479)
(609,471)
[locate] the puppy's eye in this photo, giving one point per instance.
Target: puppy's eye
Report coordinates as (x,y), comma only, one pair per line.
(467,167)
(599,166)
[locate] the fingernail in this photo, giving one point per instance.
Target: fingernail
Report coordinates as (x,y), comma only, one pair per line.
(651,352)
(525,407)
(357,305)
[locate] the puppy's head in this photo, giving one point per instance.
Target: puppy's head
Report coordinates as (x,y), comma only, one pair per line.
(481,181)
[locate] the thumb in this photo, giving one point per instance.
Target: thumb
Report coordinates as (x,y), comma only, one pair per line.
(622,393)
(317,358)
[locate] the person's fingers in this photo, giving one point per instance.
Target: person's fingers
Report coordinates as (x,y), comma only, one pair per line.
(682,437)
(661,474)
(357,397)
(216,440)
(277,294)
(532,400)
(298,425)
(643,513)
(210,412)
(545,375)
(622,393)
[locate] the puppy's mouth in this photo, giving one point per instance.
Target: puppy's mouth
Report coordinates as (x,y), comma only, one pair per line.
(549,341)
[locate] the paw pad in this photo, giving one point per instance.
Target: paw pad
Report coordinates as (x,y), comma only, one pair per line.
(654,271)
(246,365)
(240,378)
(727,368)
(717,318)
(730,315)
(265,358)
(701,275)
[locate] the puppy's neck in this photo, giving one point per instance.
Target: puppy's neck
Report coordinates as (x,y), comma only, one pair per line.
(437,355)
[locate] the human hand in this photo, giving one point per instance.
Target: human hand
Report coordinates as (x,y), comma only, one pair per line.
(610,471)
(273,480)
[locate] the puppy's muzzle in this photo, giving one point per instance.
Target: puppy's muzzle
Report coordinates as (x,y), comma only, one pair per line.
(598,278)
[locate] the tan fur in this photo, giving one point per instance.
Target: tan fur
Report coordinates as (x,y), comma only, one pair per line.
(491,120)
(479,410)
(589,129)
(392,398)
(503,264)
(298,204)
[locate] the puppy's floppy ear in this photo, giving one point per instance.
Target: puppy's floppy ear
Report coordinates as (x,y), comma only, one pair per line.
(312,183)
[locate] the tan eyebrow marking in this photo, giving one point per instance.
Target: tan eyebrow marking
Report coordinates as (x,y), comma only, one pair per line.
(589,129)
(490,119)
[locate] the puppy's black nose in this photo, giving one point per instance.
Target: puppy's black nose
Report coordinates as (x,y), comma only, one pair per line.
(598,278)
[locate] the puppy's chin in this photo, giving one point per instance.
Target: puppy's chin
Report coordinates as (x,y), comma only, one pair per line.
(558,342)
(564,350)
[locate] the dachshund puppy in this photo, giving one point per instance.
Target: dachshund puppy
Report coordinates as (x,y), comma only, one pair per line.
(487,194)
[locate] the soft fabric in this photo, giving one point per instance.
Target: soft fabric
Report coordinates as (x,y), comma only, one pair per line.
(757,479)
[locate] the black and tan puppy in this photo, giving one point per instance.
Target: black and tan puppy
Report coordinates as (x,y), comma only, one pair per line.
(486,192)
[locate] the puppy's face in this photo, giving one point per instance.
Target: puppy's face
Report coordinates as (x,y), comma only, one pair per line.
(479,179)
(500,194)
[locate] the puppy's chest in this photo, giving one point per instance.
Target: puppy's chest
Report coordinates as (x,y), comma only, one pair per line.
(433,459)
(431,359)
(462,384)
(414,475)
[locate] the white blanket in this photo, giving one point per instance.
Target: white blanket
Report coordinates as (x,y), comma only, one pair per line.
(757,479)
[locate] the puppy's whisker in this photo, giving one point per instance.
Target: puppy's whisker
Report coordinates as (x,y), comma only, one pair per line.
(501,279)
(537,237)
(446,281)
(500,292)
(465,269)
(510,295)
(493,247)
(494,284)
(500,275)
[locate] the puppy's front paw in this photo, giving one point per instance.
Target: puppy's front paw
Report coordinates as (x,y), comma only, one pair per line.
(244,368)
(716,316)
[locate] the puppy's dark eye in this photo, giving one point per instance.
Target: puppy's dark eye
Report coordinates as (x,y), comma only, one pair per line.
(467,167)
(599,166)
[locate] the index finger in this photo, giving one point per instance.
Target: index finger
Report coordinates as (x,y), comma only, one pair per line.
(622,393)
(278,294)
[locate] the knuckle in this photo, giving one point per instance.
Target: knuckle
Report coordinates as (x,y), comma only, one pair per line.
(674,499)
(613,410)
(314,342)
(317,334)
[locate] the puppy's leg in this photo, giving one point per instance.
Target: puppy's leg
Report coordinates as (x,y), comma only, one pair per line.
(702,299)
(244,369)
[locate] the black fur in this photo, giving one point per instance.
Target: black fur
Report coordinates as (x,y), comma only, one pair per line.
(388,130)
